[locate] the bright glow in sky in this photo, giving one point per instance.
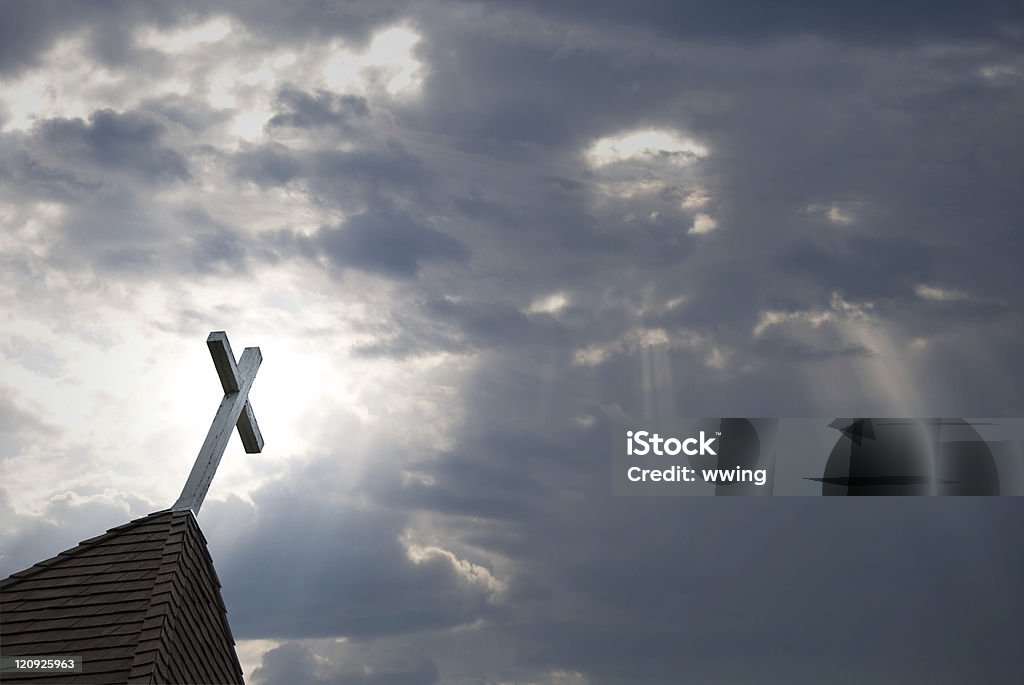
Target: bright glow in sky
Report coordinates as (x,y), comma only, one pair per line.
(549,304)
(647,143)
(389,61)
(183,39)
(65,84)
(937,294)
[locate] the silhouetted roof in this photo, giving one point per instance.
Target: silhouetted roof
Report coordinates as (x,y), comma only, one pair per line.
(140,603)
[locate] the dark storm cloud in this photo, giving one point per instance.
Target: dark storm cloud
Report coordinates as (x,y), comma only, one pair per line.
(740,19)
(30,27)
(489,324)
(28,30)
(373,173)
(918,186)
(357,581)
(634,590)
(387,171)
(631,590)
(388,243)
(112,142)
(359,173)
(267,165)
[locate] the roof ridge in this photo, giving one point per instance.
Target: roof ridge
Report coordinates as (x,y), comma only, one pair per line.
(150,658)
(140,668)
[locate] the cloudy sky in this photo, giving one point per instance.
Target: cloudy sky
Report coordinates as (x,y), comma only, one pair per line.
(468,236)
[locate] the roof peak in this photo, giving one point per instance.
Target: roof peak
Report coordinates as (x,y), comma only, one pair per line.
(140,601)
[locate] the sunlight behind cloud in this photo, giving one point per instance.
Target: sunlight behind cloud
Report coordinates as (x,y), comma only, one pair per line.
(937,294)
(152,379)
(650,143)
(695,199)
(388,62)
(637,340)
(550,304)
(183,39)
(839,309)
(703,223)
(64,84)
(474,574)
(852,334)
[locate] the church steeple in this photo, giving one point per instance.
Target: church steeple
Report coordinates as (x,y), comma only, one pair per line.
(142,602)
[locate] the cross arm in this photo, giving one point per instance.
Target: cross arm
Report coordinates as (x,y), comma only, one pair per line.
(249,430)
(227,370)
(224,360)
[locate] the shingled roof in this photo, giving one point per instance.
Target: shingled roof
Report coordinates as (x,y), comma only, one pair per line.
(140,603)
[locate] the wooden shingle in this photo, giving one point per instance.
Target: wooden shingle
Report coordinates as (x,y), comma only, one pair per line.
(140,603)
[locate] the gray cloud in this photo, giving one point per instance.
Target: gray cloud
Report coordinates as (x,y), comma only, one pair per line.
(129,142)
(388,243)
(363,584)
(309,110)
(267,165)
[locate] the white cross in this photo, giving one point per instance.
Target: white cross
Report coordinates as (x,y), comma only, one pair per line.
(234,410)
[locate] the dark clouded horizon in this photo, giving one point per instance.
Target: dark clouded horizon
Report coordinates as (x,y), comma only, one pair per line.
(468,236)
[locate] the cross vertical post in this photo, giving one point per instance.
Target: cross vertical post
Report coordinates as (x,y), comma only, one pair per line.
(235,411)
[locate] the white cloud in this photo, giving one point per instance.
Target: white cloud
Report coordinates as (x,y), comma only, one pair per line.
(703,223)
(549,304)
(185,38)
(839,309)
(994,72)
(389,62)
(695,199)
(637,339)
(936,294)
(473,574)
(716,359)
(557,677)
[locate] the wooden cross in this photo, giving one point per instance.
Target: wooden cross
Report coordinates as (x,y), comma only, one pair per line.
(235,411)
